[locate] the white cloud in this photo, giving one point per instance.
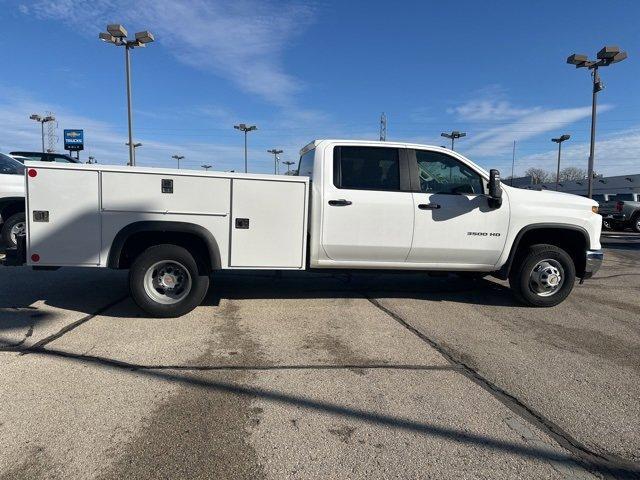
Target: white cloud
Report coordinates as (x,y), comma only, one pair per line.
(498,139)
(490,109)
(616,154)
(242,41)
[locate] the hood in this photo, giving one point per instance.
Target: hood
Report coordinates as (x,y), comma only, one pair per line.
(549,197)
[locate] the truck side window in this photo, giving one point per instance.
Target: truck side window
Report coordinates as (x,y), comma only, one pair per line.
(305,167)
(367,168)
(440,173)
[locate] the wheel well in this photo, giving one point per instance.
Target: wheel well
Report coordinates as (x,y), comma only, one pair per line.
(572,241)
(9,208)
(138,242)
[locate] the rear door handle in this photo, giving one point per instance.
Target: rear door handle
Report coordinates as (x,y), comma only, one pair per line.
(429,206)
(339,203)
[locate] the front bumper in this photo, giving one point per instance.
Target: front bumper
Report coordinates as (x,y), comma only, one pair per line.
(593,263)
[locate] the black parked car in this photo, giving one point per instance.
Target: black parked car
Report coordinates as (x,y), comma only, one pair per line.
(43,157)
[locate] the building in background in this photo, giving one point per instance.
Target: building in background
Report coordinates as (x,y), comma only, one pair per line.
(616,184)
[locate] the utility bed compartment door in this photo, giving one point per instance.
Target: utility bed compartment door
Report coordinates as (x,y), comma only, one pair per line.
(63,217)
(268,225)
(164,193)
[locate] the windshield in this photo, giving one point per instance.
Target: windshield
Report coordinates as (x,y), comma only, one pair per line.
(10,166)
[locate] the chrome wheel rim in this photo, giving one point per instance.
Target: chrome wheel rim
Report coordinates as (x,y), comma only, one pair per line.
(167,282)
(17,229)
(546,278)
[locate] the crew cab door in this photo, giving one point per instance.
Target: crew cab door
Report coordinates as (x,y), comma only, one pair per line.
(366,217)
(454,225)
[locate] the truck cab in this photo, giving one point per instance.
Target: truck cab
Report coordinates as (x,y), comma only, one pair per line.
(390,205)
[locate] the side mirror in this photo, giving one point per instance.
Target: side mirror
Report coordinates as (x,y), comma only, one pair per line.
(495,190)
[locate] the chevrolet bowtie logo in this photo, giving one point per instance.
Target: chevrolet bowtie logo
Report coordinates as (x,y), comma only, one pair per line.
(73,134)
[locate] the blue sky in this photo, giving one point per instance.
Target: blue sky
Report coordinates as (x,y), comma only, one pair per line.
(305,70)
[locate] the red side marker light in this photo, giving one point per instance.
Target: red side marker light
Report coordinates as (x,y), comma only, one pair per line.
(35,257)
(33,172)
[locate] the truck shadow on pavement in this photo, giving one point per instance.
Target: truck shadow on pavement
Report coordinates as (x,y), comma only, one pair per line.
(301,285)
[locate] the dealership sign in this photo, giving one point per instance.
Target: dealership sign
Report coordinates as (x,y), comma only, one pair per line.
(74,140)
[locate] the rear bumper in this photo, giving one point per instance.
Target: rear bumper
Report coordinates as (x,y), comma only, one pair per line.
(618,217)
(593,262)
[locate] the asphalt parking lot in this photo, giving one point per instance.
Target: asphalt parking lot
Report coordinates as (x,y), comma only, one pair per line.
(321,376)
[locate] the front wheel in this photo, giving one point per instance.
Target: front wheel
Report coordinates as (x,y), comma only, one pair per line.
(164,281)
(544,276)
(635,223)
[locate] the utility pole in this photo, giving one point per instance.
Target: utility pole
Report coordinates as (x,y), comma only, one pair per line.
(606,56)
(206,167)
(245,128)
(288,163)
(559,141)
(178,158)
(513,162)
(275,152)
(117,35)
(383,127)
(42,120)
(453,135)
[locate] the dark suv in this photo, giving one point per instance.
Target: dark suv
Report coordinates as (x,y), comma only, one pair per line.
(43,157)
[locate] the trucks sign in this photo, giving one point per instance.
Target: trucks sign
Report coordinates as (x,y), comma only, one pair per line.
(74,140)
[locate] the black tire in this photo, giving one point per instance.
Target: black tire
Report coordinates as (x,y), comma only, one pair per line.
(9,224)
(152,261)
(522,271)
(635,223)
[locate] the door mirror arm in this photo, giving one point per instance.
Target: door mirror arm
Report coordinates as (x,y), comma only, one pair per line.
(495,189)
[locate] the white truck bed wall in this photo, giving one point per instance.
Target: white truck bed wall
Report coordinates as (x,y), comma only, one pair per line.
(75,212)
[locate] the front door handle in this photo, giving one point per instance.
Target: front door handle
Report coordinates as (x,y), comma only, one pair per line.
(339,203)
(429,206)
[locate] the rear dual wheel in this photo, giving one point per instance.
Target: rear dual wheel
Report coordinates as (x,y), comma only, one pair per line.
(165,281)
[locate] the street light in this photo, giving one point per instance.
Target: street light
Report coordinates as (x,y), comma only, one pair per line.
(288,163)
(559,141)
(117,35)
(178,158)
(206,167)
(245,128)
(275,152)
(135,145)
(606,56)
(42,120)
(453,135)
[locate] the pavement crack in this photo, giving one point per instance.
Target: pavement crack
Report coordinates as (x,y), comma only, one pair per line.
(604,463)
(72,326)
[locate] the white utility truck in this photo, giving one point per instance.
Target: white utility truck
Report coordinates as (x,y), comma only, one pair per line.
(354,205)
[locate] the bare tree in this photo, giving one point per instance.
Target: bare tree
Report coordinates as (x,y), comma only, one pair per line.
(538,175)
(568,174)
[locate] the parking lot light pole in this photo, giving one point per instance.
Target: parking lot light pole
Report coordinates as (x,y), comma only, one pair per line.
(178,158)
(135,145)
(288,164)
(245,128)
(275,152)
(206,167)
(117,35)
(559,141)
(453,135)
(42,120)
(606,56)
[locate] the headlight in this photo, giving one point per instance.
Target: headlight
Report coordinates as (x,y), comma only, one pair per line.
(594,209)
